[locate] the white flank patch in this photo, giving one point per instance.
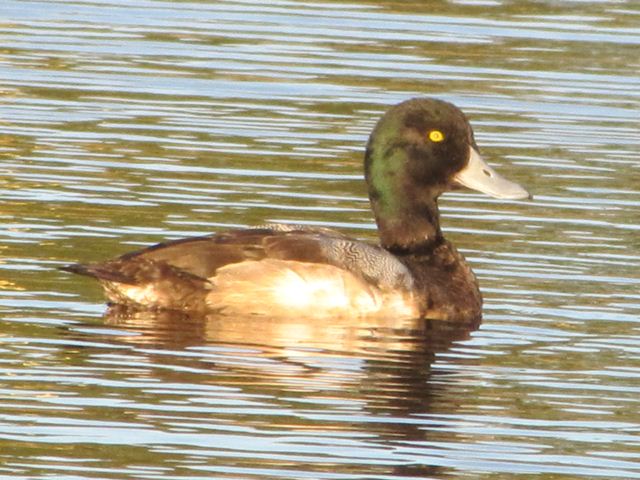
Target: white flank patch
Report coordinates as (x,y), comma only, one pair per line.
(144,295)
(285,288)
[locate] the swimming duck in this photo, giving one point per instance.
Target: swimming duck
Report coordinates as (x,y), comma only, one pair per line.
(419,149)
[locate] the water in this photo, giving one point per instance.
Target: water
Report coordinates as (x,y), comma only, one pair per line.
(126,123)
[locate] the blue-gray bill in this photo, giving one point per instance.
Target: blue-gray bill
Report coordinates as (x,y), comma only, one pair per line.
(478,175)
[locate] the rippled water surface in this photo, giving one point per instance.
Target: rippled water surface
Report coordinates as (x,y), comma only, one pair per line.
(123,123)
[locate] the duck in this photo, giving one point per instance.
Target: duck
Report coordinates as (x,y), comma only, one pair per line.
(419,149)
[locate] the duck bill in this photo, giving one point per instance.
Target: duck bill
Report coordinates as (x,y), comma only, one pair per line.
(478,175)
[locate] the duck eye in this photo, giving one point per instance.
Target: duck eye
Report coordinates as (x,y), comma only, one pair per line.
(436,136)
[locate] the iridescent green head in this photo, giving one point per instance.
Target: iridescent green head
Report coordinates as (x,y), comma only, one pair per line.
(419,149)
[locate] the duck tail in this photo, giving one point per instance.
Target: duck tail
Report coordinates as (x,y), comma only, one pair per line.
(95,271)
(77,268)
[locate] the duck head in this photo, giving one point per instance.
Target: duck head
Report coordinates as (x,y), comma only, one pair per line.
(419,149)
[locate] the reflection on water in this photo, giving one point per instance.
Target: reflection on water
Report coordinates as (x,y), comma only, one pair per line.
(125,123)
(387,362)
(261,394)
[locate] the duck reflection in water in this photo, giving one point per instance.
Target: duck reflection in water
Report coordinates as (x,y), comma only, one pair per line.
(374,369)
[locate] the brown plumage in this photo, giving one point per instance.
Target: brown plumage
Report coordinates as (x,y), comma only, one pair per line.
(255,270)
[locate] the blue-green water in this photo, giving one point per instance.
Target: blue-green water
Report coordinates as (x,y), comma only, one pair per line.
(126,123)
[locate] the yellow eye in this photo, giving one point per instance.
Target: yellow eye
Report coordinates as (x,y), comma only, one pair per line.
(436,136)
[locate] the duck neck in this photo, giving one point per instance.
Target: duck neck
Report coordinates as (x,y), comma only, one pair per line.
(412,229)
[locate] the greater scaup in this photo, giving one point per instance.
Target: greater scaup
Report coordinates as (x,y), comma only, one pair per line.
(419,149)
